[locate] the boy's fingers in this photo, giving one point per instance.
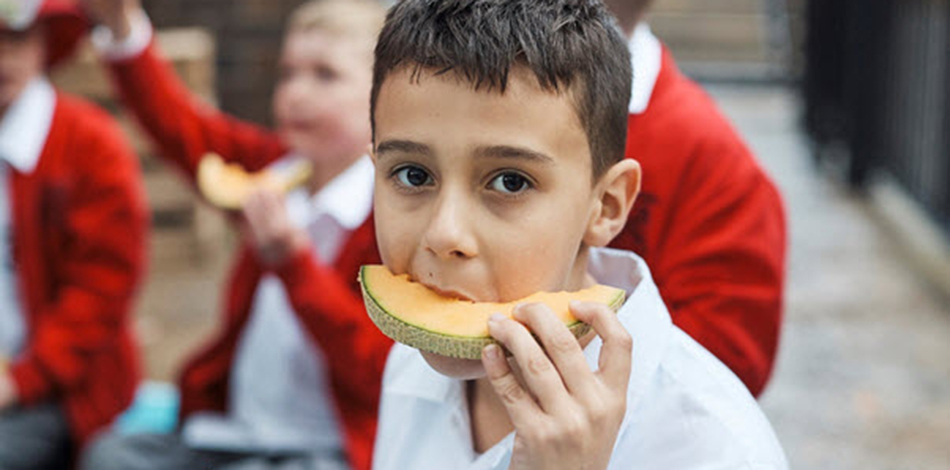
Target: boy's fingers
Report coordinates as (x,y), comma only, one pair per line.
(252,215)
(615,355)
(561,346)
(520,405)
(264,212)
(537,371)
(270,209)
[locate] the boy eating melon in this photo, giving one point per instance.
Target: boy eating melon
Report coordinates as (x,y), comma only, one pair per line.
(498,136)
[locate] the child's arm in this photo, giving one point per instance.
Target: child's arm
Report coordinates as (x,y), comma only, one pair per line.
(565,415)
(329,308)
(183,128)
(7,387)
(722,269)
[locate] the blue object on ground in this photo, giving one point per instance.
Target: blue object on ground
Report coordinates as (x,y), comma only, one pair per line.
(154,410)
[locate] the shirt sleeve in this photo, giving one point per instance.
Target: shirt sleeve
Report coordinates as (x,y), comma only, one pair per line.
(113,50)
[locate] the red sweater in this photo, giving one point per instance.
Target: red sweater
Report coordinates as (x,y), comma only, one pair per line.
(710,225)
(326,299)
(80,226)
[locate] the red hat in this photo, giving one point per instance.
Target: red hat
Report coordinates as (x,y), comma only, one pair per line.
(65,23)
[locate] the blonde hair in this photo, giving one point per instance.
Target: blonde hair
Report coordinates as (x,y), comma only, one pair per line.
(354,19)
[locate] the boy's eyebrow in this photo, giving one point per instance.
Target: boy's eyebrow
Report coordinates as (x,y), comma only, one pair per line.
(403,146)
(508,151)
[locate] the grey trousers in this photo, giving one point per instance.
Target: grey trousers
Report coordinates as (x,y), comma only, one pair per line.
(169,452)
(35,438)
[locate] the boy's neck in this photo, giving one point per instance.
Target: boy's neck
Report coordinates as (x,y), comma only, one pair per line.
(487,414)
(5,107)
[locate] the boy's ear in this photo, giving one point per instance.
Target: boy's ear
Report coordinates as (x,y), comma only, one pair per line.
(617,190)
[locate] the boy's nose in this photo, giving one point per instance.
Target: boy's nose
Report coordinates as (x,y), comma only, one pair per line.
(448,235)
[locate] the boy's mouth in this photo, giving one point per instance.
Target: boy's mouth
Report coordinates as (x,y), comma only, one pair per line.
(454,294)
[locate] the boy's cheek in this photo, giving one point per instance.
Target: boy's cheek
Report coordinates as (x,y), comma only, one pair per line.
(395,234)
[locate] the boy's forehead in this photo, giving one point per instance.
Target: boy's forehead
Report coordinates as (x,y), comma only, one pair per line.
(418,86)
(432,108)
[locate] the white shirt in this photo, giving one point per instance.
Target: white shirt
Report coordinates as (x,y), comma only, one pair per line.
(646,56)
(685,409)
(280,400)
(23,132)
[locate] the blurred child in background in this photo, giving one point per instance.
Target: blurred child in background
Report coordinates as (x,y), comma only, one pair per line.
(709,222)
(73,227)
(292,378)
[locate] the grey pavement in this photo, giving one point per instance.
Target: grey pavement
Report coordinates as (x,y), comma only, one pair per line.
(863,374)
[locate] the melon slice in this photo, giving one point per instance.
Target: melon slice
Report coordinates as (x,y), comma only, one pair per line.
(228,185)
(412,314)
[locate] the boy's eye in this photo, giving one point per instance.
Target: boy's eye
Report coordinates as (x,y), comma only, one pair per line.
(325,73)
(510,183)
(413,176)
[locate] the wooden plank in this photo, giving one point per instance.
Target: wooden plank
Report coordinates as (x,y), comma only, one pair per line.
(709,6)
(715,37)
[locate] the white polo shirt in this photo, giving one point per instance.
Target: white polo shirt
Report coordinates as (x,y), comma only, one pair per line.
(646,56)
(685,409)
(23,132)
(280,397)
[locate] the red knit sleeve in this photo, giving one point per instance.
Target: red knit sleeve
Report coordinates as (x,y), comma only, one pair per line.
(183,128)
(334,315)
(98,265)
(721,268)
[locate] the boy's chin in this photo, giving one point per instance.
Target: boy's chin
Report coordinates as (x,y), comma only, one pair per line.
(462,369)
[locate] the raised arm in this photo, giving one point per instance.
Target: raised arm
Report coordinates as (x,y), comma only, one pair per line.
(183,128)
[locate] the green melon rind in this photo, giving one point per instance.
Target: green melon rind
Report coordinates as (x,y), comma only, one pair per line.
(441,343)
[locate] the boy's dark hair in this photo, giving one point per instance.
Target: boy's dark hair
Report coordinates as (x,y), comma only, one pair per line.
(569,45)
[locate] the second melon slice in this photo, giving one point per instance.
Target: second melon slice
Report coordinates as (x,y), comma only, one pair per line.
(412,314)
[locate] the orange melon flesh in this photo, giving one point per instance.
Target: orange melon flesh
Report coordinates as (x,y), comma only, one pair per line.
(412,314)
(228,185)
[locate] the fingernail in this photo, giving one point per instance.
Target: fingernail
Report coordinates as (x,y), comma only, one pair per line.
(496,318)
(575,304)
(492,351)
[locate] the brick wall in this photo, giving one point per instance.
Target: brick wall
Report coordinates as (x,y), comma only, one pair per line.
(248,35)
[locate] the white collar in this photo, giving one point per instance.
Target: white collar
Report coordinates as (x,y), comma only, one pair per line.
(646,56)
(26,125)
(644,315)
(347,198)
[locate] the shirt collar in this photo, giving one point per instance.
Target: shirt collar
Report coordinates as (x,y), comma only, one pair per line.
(643,314)
(348,198)
(646,56)
(26,125)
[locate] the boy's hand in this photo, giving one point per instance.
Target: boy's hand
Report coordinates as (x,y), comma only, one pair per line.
(269,228)
(8,394)
(113,14)
(565,416)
